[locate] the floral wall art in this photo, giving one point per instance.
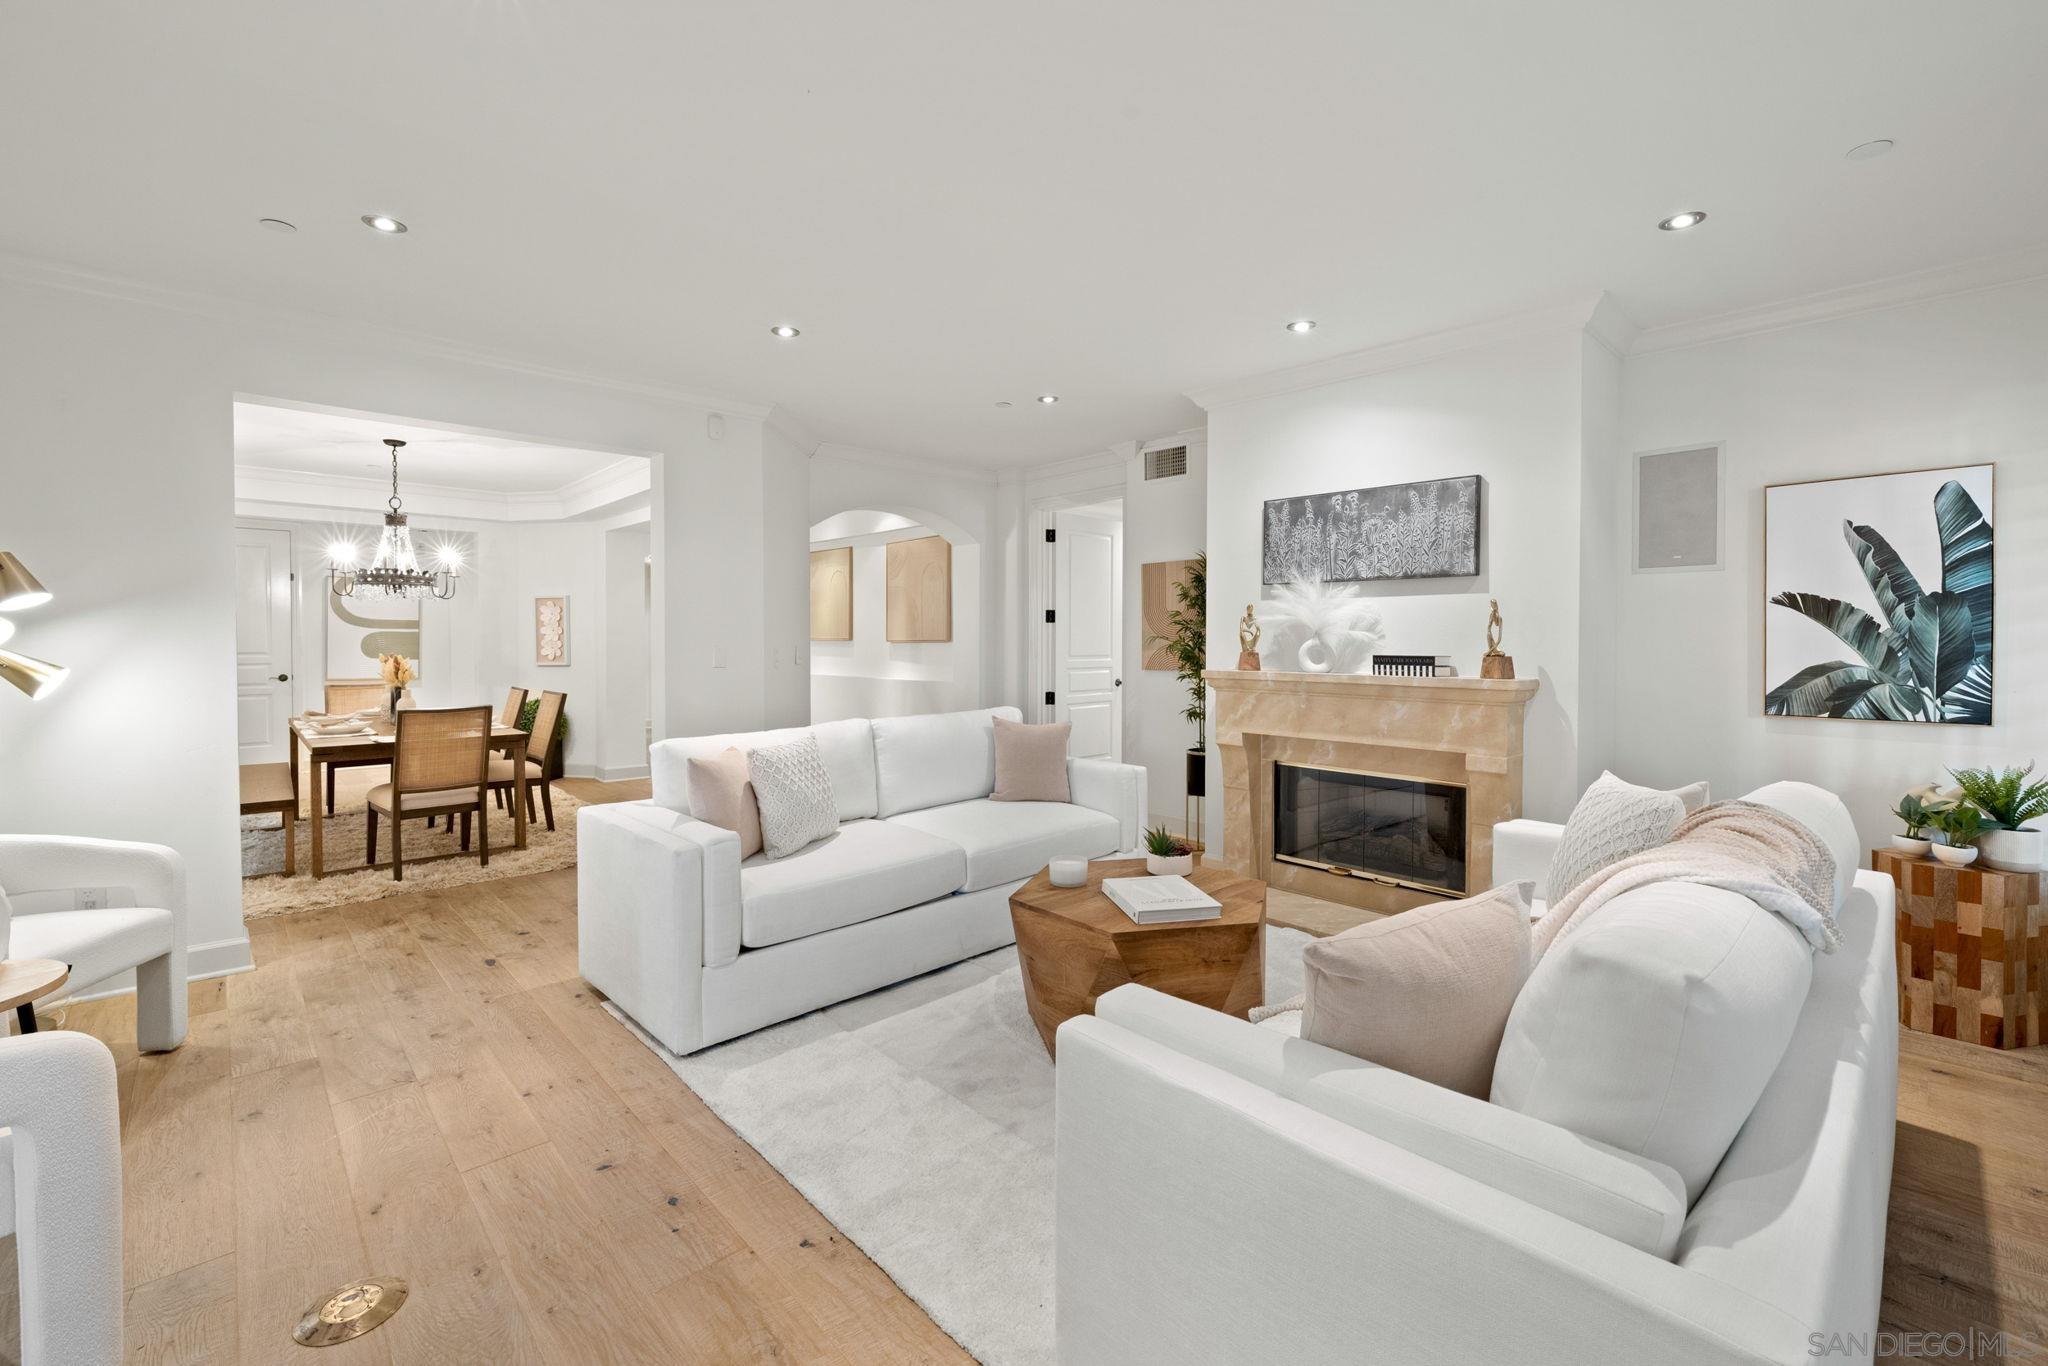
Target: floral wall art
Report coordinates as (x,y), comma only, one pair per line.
(1879,597)
(551,631)
(1427,530)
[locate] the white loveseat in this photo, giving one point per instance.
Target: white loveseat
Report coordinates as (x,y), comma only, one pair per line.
(699,947)
(1227,1193)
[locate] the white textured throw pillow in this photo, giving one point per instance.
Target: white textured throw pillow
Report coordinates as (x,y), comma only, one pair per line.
(795,796)
(1612,821)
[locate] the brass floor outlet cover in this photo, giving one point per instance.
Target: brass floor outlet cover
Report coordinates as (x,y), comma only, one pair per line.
(350,1311)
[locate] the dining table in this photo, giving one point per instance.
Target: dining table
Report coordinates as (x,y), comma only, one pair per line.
(376,744)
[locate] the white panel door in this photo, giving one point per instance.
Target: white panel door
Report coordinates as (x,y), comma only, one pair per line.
(263,643)
(1088,633)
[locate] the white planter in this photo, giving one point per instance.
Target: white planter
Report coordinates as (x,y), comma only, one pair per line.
(2012,851)
(1956,856)
(1906,844)
(1169,867)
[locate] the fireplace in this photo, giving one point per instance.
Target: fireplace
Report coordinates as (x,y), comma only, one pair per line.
(1403,832)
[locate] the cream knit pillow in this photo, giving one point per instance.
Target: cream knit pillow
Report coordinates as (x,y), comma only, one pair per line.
(1613,821)
(795,796)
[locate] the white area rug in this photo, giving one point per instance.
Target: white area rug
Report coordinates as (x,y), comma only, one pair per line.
(919,1119)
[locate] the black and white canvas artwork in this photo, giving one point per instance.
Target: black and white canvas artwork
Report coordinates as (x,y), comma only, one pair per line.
(1879,597)
(1427,530)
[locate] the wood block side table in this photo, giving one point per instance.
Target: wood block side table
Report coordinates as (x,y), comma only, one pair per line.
(1973,951)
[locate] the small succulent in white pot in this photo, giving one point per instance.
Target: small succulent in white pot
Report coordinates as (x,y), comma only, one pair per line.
(1166,854)
(2008,802)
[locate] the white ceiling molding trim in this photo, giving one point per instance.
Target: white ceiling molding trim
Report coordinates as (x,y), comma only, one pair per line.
(1375,360)
(605,490)
(794,427)
(1965,277)
(42,274)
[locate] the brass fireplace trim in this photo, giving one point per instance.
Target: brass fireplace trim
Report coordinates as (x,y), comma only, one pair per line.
(1361,875)
(1370,773)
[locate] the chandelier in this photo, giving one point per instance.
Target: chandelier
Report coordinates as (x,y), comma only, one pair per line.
(394,572)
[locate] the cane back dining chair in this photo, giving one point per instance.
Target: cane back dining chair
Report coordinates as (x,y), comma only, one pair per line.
(540,758)
(439,767)
(343,696)
(515,705)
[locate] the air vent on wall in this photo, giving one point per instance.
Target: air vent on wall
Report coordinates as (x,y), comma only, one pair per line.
(1168,462)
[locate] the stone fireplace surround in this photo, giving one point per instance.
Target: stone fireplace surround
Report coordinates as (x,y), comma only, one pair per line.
(1466,731)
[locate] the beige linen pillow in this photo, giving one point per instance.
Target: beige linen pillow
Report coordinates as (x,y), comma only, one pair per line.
(1031,762)
(1426,992)
(721,795)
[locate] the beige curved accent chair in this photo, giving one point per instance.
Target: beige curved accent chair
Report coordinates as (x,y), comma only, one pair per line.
(438,768)
(540,757)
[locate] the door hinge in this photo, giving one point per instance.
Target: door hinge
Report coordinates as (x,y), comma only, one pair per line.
(1048,699)
(1048,616)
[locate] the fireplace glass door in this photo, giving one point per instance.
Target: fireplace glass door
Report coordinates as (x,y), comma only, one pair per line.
(1399,830)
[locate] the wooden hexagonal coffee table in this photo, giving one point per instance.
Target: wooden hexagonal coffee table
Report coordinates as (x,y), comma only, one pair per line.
(1074,944)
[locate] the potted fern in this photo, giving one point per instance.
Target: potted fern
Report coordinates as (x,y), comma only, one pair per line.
(2008,801)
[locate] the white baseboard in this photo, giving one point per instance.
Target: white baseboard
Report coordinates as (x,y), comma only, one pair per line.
(220,958)
(622,775)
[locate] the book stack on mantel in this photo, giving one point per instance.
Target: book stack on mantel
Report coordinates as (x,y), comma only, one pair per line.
(1159,900)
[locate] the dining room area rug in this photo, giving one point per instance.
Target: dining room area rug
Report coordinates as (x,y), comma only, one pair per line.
(266,891)
(919,1120)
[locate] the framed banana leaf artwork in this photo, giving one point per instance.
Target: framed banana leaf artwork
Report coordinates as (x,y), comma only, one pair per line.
(1879,597)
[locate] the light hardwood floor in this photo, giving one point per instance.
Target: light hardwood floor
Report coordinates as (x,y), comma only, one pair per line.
(421,1086)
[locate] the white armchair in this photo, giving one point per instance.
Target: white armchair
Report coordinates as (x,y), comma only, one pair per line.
(139,923)
(60,1195)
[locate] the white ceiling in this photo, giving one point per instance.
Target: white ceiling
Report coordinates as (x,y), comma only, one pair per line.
(1115,200)
(352,447)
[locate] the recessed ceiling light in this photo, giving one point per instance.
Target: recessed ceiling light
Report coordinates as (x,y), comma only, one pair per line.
(1002,403)
(277,225)
(785,331)
(383,223)
(1048,398)
(1679,222)
(1302,325)
(1864,151)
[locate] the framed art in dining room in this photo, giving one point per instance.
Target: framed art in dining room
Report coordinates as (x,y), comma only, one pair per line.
(551,631)
(1878,597)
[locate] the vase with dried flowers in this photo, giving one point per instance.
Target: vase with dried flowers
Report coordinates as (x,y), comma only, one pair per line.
(396,671)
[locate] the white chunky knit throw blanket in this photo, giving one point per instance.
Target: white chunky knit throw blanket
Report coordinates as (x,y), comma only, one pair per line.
(1753,850)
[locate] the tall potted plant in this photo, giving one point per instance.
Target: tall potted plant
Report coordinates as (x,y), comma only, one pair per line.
(1187,642)
(2008,802)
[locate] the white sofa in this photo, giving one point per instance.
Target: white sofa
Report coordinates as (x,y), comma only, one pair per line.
(1227,1193)
(699,947)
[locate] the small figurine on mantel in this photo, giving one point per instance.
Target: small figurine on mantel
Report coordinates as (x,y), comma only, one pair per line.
(1248,642)
(1494,664)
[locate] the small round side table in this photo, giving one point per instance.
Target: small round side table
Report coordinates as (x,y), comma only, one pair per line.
(24,981)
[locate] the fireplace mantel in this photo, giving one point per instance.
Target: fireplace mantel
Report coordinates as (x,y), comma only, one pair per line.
(1466,731)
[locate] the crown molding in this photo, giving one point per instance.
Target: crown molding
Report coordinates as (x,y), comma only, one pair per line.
(25,270)
(885,460)
(348,495)
(1576,316)
(794,427)
(1896,291)
(1611,327)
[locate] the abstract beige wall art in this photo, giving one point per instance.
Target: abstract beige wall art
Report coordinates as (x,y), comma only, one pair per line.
(832,594)
(920,583)
(359,629)
(551,631)
(1158,602)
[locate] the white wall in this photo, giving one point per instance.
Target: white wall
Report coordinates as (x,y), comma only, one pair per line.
(120,494)
(872,676)
(1953,381)
(528,560)
(1510,413)
(627,709)
(1164,519)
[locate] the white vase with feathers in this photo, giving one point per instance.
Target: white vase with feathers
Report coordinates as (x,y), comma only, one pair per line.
(1334,628)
